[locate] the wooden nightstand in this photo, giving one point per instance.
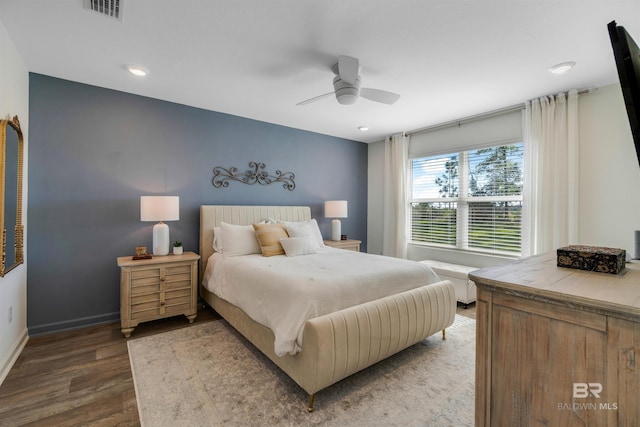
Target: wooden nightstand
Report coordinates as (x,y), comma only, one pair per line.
(349,244)
(162,286)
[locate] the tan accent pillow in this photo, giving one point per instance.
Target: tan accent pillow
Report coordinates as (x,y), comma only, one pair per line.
(269,236)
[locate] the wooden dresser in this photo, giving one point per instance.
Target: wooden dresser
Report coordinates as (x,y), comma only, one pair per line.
(557,346)
(155,288)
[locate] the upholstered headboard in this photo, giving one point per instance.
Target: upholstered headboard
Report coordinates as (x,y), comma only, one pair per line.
(212,215)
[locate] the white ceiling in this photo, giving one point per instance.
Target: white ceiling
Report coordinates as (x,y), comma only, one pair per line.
(448,59)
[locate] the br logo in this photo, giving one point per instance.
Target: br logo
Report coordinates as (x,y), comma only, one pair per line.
(583,390)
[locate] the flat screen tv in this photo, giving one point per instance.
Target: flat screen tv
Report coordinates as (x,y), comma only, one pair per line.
(627,56)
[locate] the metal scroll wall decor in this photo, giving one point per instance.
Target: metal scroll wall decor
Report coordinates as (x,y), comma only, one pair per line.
(256,174)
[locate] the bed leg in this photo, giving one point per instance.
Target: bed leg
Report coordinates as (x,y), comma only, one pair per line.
(311,398)
(444,334)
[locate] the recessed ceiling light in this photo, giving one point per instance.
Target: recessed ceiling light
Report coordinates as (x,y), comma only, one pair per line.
(562,68)
(363,128)
(137,71)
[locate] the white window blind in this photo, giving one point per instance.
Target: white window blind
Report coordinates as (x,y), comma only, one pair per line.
(491,129)
(469,200)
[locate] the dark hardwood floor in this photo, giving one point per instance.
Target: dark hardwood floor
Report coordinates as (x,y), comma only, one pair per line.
(83,377)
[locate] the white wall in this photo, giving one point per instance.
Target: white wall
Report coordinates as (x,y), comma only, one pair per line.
(609,172)
(14,100)
(609,183)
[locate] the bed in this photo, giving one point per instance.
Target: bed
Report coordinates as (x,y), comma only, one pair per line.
(337,344)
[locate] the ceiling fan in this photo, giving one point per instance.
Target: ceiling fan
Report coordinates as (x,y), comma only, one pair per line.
(346,85)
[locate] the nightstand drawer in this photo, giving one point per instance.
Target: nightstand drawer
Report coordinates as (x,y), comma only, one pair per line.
(179,270)
(349,244)
(144,288)
(153,297)
(177,283)
(177,306)
(178,296)
(144,274)
(147,310)
(145,277)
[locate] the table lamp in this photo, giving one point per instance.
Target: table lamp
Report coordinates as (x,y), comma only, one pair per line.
(160,208)
(335,209)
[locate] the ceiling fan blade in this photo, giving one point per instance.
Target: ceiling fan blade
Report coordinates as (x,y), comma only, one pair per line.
(378,95)
(348,68)
(315,98)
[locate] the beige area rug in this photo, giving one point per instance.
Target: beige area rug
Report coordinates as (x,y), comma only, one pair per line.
(209,375)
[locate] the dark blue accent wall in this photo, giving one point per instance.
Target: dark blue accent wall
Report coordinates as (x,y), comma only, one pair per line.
(93,152)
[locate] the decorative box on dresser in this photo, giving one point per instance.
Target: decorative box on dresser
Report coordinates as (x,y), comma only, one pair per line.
(348,244)
(557,346)
(162,286)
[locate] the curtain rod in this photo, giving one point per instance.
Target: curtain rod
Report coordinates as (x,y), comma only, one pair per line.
(476,117)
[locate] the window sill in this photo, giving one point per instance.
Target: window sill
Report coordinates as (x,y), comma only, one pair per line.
(458,256)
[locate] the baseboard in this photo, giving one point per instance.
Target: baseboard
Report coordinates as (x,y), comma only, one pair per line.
(69,325)
(15,353)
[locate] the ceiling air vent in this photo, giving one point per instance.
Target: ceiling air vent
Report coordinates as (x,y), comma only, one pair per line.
(110,8)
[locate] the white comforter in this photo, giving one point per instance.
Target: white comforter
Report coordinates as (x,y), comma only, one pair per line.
(283,292)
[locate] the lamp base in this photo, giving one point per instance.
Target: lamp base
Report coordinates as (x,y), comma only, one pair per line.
(336,229)
(161,239)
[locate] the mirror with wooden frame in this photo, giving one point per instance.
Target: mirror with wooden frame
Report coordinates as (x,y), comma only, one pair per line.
(11,161)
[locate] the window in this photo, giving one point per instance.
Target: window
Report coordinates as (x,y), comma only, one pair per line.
(469,200)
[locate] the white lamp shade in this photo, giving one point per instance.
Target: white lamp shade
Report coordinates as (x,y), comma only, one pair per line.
(335,209)
(159,208)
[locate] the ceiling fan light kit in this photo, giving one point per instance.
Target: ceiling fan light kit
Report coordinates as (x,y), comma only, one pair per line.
(346,85)
(346,93)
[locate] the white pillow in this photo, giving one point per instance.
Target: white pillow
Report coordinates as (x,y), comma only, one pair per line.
(217,239)
(239,240)
(295,230)
(300,230)
(301,245)
(313,226)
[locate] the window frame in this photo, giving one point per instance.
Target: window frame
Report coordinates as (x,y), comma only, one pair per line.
(463,200)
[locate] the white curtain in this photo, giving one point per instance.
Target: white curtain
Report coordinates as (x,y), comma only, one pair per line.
(396,154)
(551,175)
